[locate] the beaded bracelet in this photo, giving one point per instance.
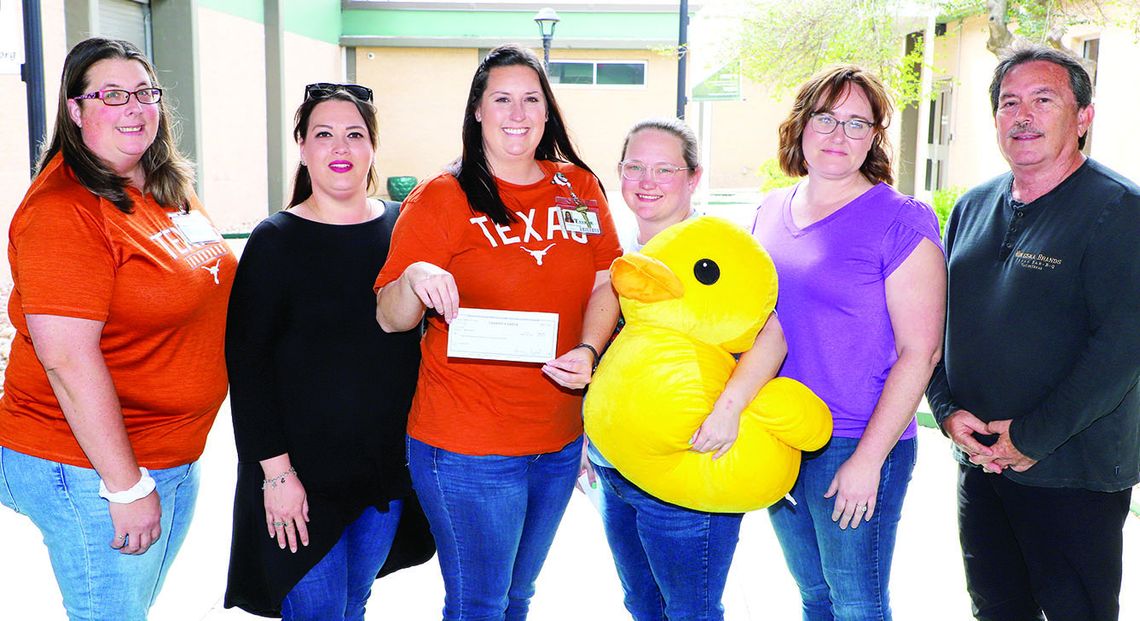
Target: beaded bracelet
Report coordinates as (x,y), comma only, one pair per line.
(273,482)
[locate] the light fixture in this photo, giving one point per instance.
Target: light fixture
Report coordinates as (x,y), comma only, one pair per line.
(546,17)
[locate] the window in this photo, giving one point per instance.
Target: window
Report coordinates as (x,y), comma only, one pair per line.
(571,73)
(604,73)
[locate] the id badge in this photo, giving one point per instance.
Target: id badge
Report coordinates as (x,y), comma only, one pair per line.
(195,227)
(576,221)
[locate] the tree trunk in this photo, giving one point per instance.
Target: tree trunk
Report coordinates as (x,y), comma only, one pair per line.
(1000,36)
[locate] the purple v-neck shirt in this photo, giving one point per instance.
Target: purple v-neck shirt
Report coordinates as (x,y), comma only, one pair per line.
(832,304)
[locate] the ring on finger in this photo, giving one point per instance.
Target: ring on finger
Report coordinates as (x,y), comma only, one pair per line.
(280,524)
(860,507)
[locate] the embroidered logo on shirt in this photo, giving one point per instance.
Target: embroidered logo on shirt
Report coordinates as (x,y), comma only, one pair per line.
(537,254)
(1036,260)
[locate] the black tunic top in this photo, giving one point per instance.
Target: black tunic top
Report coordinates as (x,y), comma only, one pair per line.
(313,375)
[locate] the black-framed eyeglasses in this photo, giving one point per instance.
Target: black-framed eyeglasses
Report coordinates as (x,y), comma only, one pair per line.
(321,90)
(856,129)
(636,171)
(119,97)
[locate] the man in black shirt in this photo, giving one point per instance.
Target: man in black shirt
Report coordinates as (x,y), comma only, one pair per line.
(1038,387)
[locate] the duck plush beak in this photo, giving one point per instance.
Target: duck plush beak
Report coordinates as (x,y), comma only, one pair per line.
(645,279)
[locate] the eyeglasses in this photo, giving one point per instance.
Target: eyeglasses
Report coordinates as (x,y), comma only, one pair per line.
(119,97)
(661,173)
(321,90)
(856,129)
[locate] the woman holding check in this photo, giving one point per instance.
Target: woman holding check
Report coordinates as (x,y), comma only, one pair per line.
(494,447)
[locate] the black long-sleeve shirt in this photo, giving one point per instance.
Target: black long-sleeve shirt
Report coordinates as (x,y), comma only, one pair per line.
(313,375)
(1043,325)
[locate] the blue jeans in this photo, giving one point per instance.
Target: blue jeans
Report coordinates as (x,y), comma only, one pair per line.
(842,574)
(97,582)
(673,562)
(493,518)
(337,587)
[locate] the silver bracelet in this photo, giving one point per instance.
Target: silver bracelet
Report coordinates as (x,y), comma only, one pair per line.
(273,482)
(139,490)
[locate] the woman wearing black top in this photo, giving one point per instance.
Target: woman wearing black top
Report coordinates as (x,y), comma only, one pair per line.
(319,393)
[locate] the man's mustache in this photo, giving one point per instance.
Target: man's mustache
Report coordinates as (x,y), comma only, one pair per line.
(1022,129)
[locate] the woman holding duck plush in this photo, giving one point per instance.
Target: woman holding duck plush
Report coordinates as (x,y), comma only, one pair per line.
(673,561)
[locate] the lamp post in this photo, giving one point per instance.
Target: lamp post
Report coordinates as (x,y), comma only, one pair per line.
(543,18)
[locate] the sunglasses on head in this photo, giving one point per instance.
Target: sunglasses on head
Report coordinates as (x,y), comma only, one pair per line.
(321,90)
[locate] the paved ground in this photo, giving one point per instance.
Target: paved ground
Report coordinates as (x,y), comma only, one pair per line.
(578,582)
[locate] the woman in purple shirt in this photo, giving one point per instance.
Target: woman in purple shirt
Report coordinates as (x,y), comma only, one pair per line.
(862,302)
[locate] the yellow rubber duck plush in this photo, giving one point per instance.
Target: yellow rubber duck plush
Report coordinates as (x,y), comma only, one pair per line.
(696,294)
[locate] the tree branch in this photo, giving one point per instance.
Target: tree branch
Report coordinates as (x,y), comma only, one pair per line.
(1000,36)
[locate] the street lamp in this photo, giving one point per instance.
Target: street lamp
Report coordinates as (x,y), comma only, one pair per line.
(543,18)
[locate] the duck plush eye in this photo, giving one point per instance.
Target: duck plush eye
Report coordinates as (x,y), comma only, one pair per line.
(706,271)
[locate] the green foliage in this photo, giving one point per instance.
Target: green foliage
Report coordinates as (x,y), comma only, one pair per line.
(1046,21)
(954,10)
(782,44)
(944,200)
(772,178)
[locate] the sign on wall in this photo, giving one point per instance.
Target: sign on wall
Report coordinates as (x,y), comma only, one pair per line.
(11,37)
(722,85)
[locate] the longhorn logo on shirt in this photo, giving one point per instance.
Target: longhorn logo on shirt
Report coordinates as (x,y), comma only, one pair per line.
(214,269)
(537,254)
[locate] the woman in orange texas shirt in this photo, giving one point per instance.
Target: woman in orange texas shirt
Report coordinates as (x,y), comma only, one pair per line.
(117,370)
(494,447)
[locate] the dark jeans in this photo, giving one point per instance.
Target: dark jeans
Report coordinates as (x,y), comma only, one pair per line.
(1033,550)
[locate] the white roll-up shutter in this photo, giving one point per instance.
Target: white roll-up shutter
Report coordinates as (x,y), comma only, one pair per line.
(126,19)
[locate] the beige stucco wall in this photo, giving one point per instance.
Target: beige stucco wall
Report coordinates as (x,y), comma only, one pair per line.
(233,99)
(743,134)
(14,165)
(419,95)
(1115,97)
(962,57)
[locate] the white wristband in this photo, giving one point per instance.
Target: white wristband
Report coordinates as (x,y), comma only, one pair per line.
(139,490)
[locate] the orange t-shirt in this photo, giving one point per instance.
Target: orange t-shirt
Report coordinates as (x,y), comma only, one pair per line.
(160,283)
(481,407)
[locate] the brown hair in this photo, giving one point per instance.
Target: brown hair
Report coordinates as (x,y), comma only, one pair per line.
(302,182)
(820,94)
(169,176)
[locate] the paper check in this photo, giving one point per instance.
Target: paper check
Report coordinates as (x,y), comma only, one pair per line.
(515,336)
